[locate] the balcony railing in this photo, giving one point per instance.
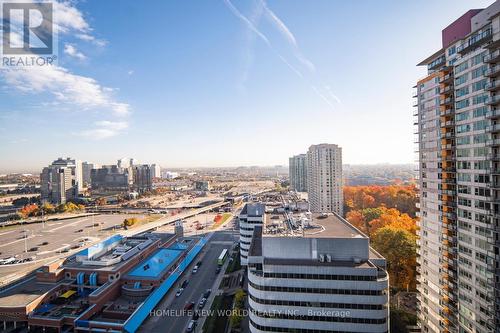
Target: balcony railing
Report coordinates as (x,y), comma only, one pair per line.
(492,86)
(492,71)
(493,100)
(493,142)
(475,40)
(492,57)
(493,128)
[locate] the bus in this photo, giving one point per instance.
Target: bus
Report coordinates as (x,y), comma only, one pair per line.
(222,257)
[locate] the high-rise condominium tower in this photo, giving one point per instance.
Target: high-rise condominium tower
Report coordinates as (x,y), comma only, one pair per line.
(459,161)
(324,178)
(298,172)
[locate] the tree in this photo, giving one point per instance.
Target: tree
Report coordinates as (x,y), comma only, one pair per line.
(48,208)
(398,246)
(29,210)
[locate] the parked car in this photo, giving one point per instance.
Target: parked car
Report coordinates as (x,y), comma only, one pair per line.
(45,243)
(195,269)
(190,327)
(33,249)
(217,270)
(184,284)
(207,293)
(79,230)
(179,292)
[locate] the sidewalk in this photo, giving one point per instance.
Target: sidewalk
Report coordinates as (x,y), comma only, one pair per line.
(215,291)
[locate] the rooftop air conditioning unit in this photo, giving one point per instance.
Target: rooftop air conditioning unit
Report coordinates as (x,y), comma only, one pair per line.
(357,260)
(328,258)
(321,258)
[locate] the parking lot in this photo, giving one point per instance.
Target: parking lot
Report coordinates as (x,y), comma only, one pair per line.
(38,241)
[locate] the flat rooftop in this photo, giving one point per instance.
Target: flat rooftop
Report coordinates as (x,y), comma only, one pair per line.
(310,225)
(24,293)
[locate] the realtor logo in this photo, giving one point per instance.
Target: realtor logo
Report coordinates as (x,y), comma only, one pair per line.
(27,34)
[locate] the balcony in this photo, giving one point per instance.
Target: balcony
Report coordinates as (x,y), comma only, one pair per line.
(493,100)
(493,128)
(446,78)
(475,41)
(437,63)
(446,111)
(492,114)
(494,142)
(446,101)
(445,90)
(492,71)
(494,157)
(493,57)
(492,86)
(449,123)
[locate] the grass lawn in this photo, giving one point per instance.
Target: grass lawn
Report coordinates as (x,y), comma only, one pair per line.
(224,218)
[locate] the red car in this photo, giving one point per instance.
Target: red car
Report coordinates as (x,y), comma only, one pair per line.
(189,306)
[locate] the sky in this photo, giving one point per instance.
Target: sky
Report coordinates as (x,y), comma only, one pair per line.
(223,82)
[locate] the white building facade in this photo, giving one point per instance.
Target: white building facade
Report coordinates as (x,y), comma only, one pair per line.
(251,215)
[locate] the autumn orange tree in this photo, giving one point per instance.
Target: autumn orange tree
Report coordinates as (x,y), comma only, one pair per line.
(387,214)
(398,246)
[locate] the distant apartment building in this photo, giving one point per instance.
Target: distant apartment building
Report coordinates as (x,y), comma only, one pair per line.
(459,178)
(143,177)
(86,172)
(126,162)
(170,175)
(110,178)
(202,185)
(327,281)
(251,215)
(156,170)
(298,172)
(324,178)
(61,181)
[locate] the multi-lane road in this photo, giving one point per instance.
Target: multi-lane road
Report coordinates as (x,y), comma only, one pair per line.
(168,316)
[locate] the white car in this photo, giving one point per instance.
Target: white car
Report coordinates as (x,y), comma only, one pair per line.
(195,269)
(202,303)
(179,292)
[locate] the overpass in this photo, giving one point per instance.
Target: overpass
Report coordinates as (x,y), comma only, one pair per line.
(170,219)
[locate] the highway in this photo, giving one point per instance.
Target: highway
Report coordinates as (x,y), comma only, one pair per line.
(175,321)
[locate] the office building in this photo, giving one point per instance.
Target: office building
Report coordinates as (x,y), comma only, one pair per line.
(251,215)
(298,172)
(142,177)
(458,139)
(110,178)
(306,281)
(324,178)
(61,181)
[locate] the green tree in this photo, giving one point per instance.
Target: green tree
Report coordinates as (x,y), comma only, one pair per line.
(399,248)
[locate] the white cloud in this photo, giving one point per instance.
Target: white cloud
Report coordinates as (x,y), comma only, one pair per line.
(130,72)
(66,87)
(104,129)
(70,91)
(71,50)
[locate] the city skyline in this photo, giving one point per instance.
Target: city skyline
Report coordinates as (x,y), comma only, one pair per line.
(173,101)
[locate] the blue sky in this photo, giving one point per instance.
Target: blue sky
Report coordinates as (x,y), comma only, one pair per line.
(223,83)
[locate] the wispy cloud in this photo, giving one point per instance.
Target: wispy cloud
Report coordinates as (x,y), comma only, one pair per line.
(261,9)
(71,50)
(104,129)
(70,90)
